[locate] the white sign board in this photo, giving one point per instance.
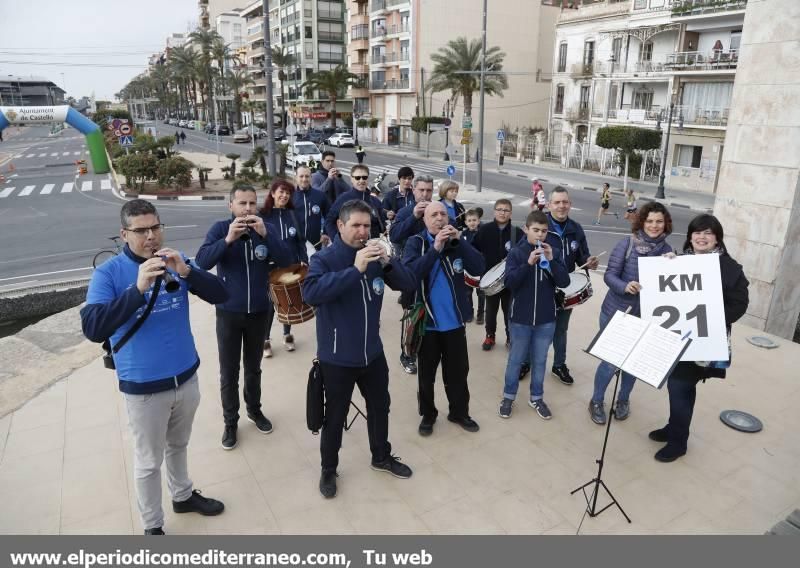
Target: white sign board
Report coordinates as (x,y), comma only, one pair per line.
(684,294)
(34,114)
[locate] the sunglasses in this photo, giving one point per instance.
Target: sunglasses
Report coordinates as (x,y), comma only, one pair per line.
(360,177)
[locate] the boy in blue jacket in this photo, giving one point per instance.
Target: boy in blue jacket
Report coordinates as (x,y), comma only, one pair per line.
(241,248)
(345,282)
(532,275)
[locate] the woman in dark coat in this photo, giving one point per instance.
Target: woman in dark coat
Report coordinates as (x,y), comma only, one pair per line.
(704,236)
(650,229)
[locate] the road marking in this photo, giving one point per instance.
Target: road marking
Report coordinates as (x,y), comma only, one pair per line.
(43,155)
(6,192)
(47,189)
(45,274)
(31,156)
(65,154)
(86,186)
(182,226)
(54,155)
(105,184)
(26,191)
(76,153)
(67,187)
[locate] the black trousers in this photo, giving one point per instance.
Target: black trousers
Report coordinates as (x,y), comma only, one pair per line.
(682,387)
(493,303)
(287,329)
(373,382)
(240,335)
(449,347)
(481,302)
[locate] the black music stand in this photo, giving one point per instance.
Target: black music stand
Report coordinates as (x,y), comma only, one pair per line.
(359,412)
(591,500)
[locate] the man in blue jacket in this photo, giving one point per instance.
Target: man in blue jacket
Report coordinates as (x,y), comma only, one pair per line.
(328,178)
(359,174)
(241,248)
(400,195)
(439,258)
(345,282)
(568,241)
(157,366)
(311,207)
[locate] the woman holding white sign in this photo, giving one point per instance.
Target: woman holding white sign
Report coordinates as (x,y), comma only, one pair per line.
(704,236)
(650,229)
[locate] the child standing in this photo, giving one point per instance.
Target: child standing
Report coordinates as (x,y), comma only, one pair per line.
(472,220)
(532,275)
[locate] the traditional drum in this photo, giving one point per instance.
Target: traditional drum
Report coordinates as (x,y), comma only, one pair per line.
(578,291)
(471,281)
(284,291)
(494,280)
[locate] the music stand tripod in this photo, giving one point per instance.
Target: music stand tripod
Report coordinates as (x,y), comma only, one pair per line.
(591,500)
(349,425)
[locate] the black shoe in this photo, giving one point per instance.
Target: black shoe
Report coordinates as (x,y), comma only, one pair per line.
(409,365)
(154,531)
(466,423)
(393,465)
(562,373)
(669,453)
(426,426)
(262,422)
(659,435)
(199,504)
(229,438)
(479,319)
(327,484)
(523,372)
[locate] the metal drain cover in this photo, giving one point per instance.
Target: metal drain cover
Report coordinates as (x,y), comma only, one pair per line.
(741,421)
(761,341)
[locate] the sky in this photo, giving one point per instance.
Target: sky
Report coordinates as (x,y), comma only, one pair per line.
(88,45)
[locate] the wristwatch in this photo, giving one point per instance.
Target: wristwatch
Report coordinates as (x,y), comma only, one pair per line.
(188,272)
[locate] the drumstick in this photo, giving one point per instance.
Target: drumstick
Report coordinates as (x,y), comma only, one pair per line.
(587,264)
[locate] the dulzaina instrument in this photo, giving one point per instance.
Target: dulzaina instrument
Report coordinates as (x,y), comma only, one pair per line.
(285,293)
(383,242)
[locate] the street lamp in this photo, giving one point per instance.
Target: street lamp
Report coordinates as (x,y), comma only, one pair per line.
(447,113)
(660,188)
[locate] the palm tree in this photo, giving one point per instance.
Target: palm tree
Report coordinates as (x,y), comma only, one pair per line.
(184,64)
(334,83)
(204,40)
(455,68)
(282,61)
(238,80)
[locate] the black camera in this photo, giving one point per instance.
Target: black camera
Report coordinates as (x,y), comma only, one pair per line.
(108,359)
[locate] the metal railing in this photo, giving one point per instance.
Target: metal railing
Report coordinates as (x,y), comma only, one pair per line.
(360,31)
(581,70)
(393,57)
(611,67)
(703,7)
(702,61)
(710,116)
(577,112)
(329,14)
(389,84)
(330,36)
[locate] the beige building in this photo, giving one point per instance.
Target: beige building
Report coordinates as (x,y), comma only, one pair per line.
(390,46)
(210,10)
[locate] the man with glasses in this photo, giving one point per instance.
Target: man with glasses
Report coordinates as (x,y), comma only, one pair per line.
(242,248)
(157,365)
(400,195)
(494,240)
(359,174)
(328,178)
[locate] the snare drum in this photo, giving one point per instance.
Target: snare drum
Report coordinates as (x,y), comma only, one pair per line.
(284,291)
(578,291)
(471,281)
(494,281)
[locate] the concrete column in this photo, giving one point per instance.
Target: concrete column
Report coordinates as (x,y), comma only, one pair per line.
(758,192)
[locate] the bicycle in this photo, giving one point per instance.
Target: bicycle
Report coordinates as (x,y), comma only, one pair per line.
(107,254)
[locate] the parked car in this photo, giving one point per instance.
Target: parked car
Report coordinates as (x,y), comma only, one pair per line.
(190,124)
(173,121)
(242,136)
(182,123)
(341,140)
(223,130)
(315,136)
(301,152)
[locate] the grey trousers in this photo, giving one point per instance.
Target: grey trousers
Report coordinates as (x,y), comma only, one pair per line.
(161,424)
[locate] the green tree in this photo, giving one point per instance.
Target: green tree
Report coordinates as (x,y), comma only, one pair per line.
(334,83)
(238,81)
(627,140)
(456,68)
(204,40)
(282,61)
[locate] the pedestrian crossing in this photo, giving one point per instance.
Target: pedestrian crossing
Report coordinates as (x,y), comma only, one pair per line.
(55,188)
(46,154)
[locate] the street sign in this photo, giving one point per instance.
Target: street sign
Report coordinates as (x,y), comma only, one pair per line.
(466,122)
(291,130)
(447,122)
(465,141)
(126,140)
(501,135)
(125,129)
(466,133)
(451,170)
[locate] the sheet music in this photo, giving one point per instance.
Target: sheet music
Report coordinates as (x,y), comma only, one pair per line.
(618,338)
(654,355)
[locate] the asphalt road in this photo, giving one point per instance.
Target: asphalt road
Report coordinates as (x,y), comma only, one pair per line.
(52,224)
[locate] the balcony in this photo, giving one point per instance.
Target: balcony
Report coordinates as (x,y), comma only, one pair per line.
(579,112)
(578,70)
(389,58)
(646,68)
(389,85)
(718,60)
(291,18)
(331,57)
(330,15)
(694,8)
(359,68)
(383,5)
(630,115)
(711,117)
(397,29)
(330,36)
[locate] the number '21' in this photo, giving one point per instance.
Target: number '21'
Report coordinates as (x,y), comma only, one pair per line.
(673,315)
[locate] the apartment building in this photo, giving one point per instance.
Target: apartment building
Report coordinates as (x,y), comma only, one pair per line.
(230,26)
(313,32)
(210,10)
(390,47)
(629,62)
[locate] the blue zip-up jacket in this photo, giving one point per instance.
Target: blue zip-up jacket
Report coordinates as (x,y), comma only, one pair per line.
(395,201)
(569,245)
(161,355)
(286,222)
(405,225)
(349,303)
(311,208)
(420,256)
(243,266)
(331,188)
(533,295)
(378,216)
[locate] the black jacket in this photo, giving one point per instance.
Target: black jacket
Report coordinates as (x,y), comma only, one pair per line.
(495,243)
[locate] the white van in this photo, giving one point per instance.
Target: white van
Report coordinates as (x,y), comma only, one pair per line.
(301,153)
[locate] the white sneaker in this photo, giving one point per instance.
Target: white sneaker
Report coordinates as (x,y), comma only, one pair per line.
(288,342)
(267,349)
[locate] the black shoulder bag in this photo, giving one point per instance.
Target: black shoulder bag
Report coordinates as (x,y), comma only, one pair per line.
(108,358)
(315,399)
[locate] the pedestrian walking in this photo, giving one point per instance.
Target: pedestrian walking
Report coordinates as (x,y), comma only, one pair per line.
(360,154)
(177,137)
(183,137)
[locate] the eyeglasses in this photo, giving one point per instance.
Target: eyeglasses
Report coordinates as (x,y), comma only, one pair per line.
(142,231)
(503,210)
(360,177)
